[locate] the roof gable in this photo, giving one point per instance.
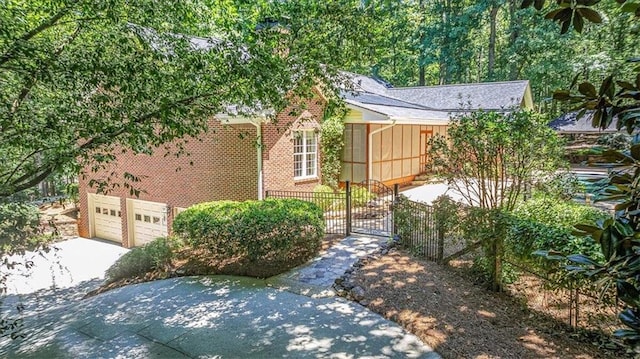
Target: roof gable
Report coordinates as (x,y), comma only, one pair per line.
(433,103)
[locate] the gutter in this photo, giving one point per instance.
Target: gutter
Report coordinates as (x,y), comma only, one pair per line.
(258,125)
(370,140)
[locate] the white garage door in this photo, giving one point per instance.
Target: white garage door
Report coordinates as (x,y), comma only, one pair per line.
(106,217)
(148,220)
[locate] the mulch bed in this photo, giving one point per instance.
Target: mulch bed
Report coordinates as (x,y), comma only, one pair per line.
(460,318)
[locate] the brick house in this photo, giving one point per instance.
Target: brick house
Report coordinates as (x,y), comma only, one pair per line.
(386,138)
(237,159)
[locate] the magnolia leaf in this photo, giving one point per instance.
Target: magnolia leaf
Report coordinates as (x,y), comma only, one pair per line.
(628,293)
(587,228)
(590,15)
(587,2)
(526,3)
(623,206)
(627,334)
(582,259)
(626,85)
(629,318)
(578,23)
(575,269)
(562,95)
(551,15)
(635,152)
(606,88)
(565,27)
(549,254)
(631,7)
(539,4)
(597,116)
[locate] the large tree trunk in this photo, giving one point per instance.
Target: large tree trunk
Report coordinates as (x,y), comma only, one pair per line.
(493,14)
(444,54)
(421,51)
(514,28)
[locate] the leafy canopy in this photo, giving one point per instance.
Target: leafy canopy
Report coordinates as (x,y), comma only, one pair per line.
(81,80)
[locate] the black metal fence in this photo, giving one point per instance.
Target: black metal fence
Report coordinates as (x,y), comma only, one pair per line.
(362,207)
(417,229)
(375,209)
(334,206)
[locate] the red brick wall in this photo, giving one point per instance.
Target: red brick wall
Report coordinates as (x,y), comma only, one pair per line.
(277,150)
(224,167)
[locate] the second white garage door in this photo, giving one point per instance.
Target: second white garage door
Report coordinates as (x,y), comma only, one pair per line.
(147,221)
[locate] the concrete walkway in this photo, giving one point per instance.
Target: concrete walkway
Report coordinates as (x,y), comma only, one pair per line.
(316,278)
(216,316)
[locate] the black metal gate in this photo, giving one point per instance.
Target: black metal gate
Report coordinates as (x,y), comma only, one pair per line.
(364,207)
(370,208)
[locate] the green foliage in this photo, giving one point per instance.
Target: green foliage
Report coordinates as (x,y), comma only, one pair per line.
(616,95)
(326,198)
(20,231)
(411,217)
(562,185)
(616,141)
(546,222)
(490,158)
(447,214)
(19,228)
(332,144)
(274,234)
(71,190)
(482,266)
(155,255)
(360,196)
(82,80)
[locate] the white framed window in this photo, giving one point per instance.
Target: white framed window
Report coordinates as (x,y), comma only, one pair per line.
(305,154)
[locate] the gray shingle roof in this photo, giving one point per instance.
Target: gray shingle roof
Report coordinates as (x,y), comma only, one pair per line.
(569,123)
(405,113)
(431,102)
(375,99)
(485,96)
(361,83)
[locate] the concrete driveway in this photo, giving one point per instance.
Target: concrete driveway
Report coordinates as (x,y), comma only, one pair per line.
(68,264)
(190,317)
(212,317)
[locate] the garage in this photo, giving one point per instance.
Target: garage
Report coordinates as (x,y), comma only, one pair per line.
(147,221)
(105,217)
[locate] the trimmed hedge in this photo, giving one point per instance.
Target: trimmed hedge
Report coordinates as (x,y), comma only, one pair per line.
(268,237)
(157,254)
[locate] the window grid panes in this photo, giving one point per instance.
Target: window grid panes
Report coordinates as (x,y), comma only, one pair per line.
(305,148)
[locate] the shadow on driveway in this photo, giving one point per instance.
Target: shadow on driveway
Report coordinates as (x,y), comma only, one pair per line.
(211,317)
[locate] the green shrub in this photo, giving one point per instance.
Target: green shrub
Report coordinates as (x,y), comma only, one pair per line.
(157,254)
(268,237)
(332,144)
(546,223)
(564,185)
(360,196)
(325,197)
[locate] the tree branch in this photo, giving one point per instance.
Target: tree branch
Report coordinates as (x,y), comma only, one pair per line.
(34,77)
(29,35)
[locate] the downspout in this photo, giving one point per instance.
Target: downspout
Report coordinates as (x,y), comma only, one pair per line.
(370,164)
(259,156)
